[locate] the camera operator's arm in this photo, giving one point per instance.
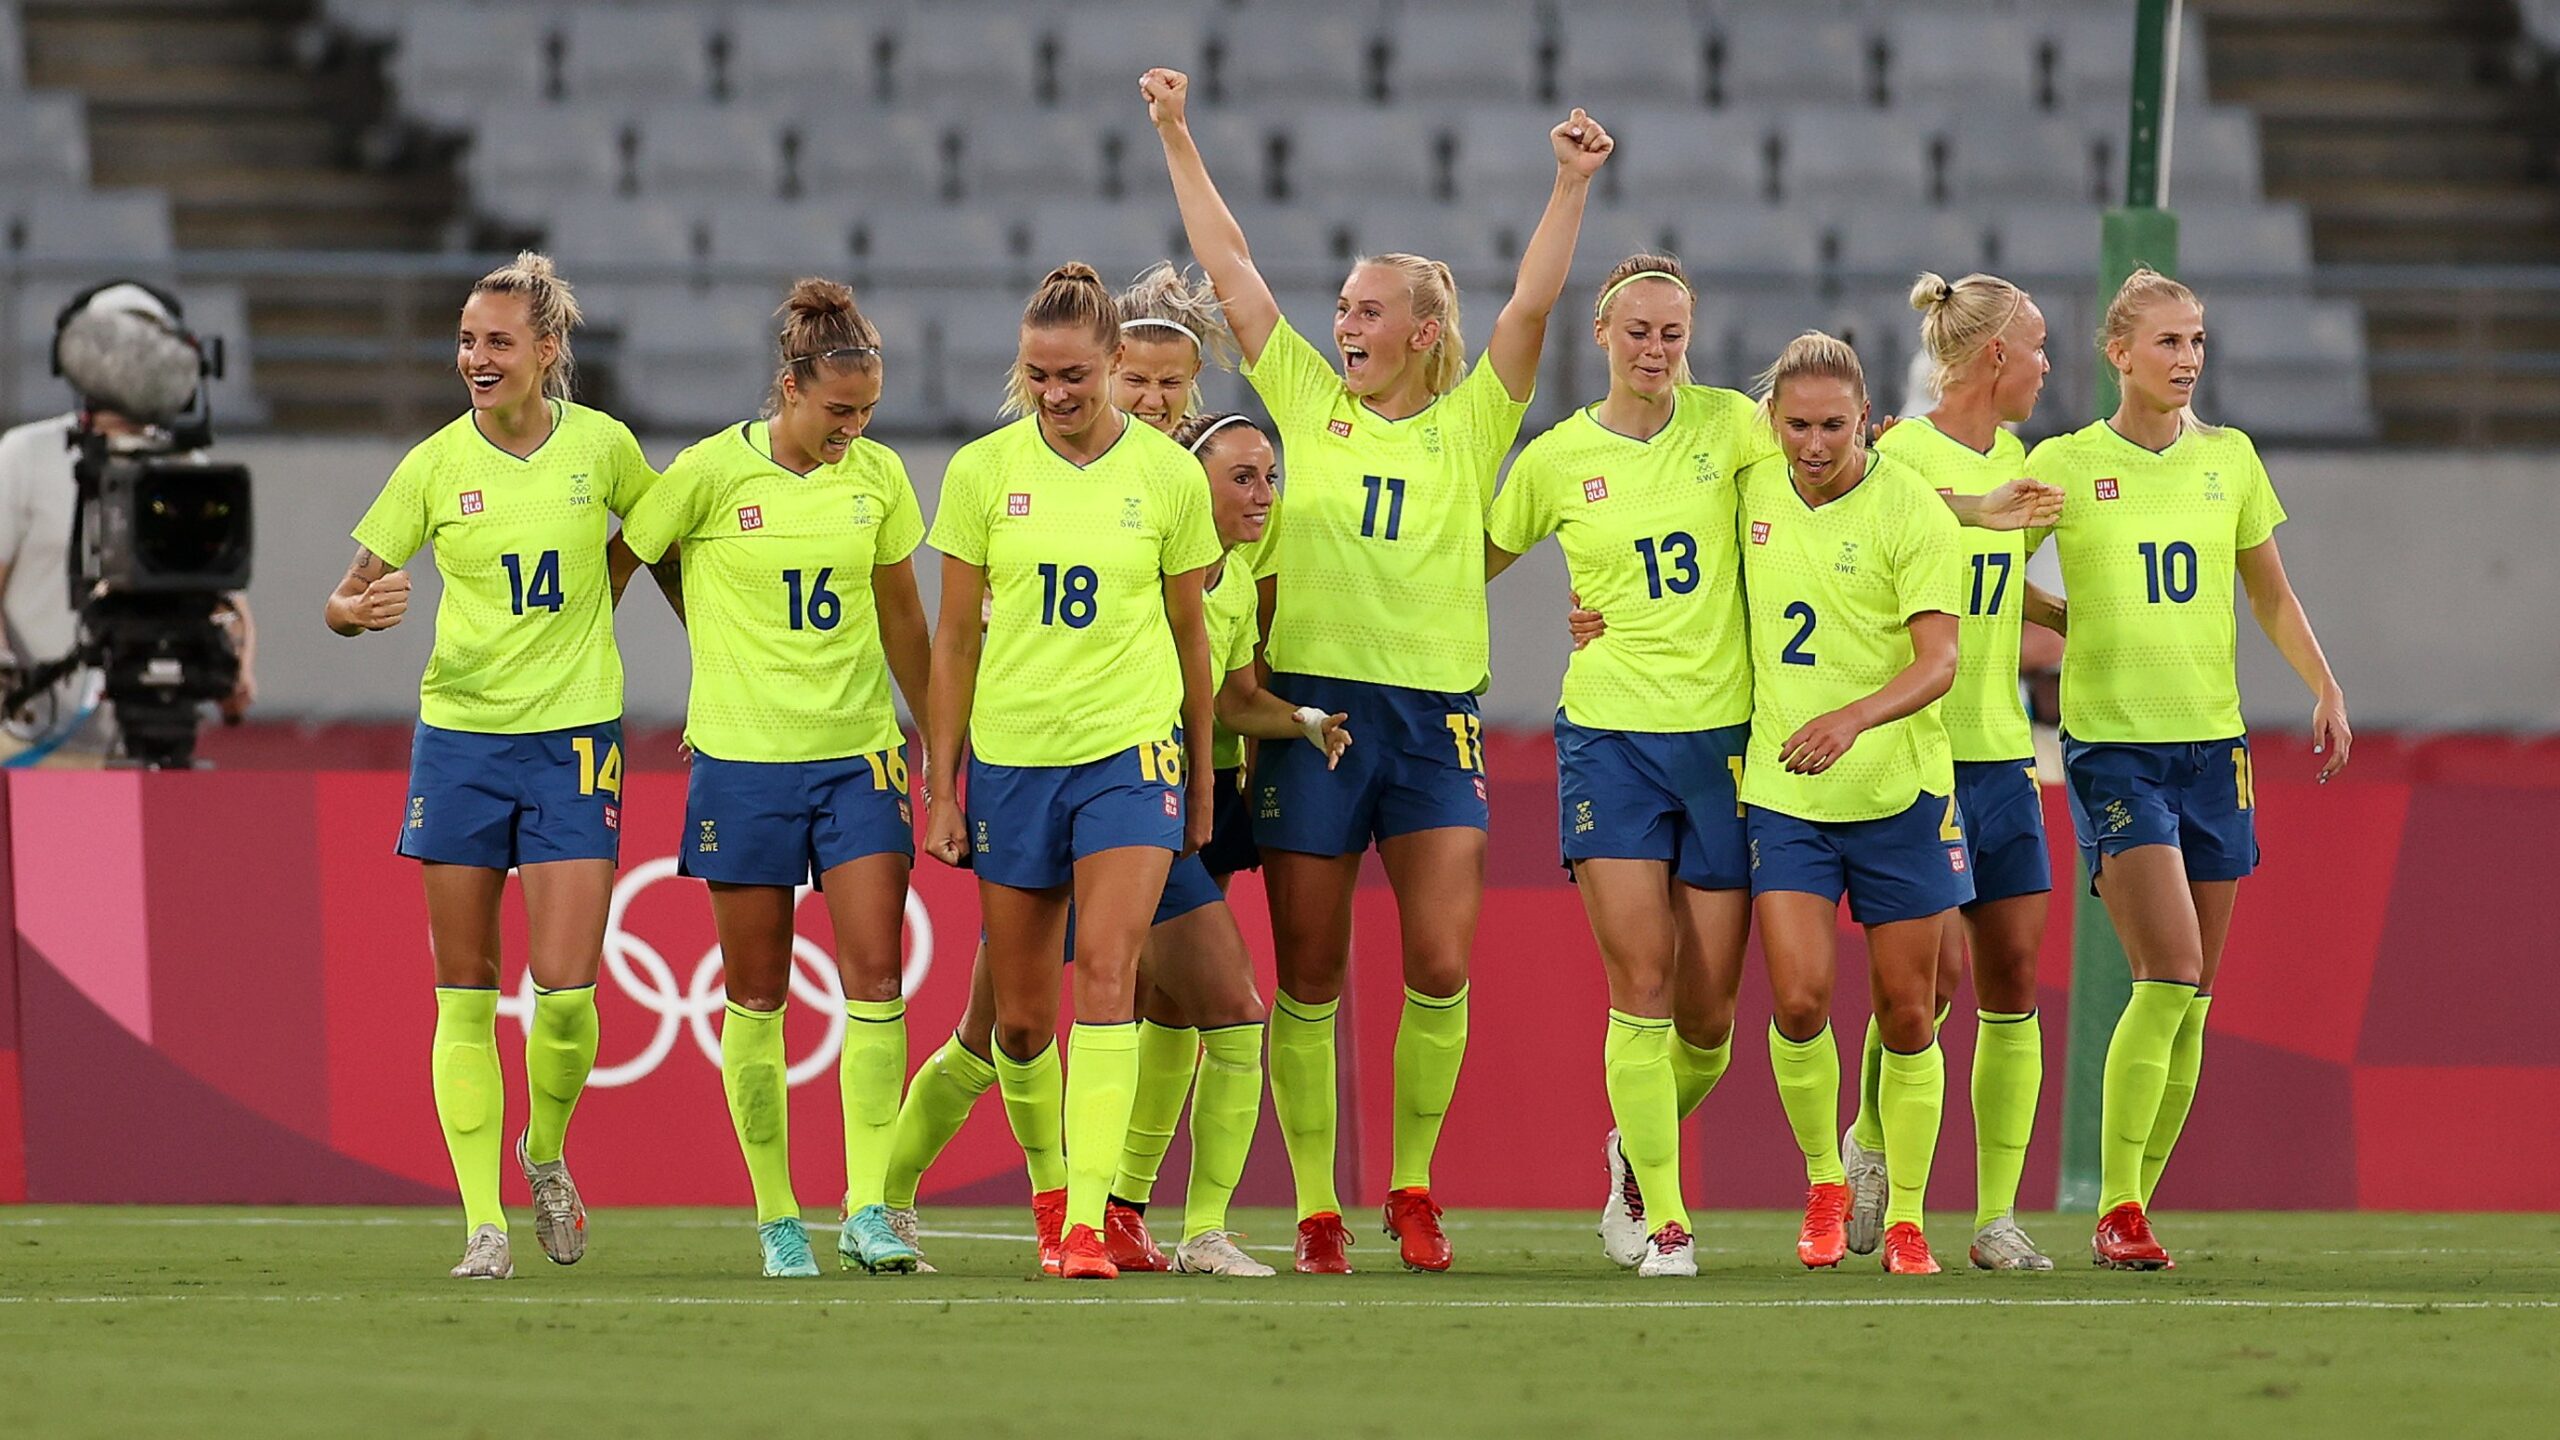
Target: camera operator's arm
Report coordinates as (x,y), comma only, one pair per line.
(373,596)
(234,612)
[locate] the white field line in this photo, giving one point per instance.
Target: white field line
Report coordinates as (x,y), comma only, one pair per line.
(1881,1302)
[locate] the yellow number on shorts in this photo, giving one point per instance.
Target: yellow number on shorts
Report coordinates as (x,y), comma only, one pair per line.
(2246,782)
(1951,828)
(1734,764)
(591,777)
(1468,731)
(888,768)
(1161,760)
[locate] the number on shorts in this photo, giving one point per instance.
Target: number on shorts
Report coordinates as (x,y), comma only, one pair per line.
(1982,565)
(1734,763)
(1677,548)
(1795,653)
(593,777)
(1468,731)
(1161,760)
(888,769)
(2169,571)
(1068,596)
(1951,828)
(816,607)
(542,589)
(2246,781)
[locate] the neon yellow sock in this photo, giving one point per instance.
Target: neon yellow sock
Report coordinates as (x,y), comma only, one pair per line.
(2137,1073)
(1808,1074)
(1697,1068)
(471,1099)
(1431,1043)
(945,1089)
(1303,1097)
(1102,1083)
(1868,1128)
(1644,1098)
(1034,1099)
(752,1071)
(1911,1091)
(1167,1058)
(2178,1096)
(559,1054)
(867,1077)
(1223,1115)
(2008,1073)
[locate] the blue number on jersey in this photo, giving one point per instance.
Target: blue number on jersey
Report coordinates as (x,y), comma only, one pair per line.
(1999,583)
(2160,571)
(1795,653)
(1682,551)
(1071,601)
(544,589)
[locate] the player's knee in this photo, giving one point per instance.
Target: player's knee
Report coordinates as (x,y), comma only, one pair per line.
(1439,971)
(1907,1025)
(1800,1012)
(1022,1042)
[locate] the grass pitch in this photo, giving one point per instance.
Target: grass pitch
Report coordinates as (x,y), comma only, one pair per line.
(223,1323)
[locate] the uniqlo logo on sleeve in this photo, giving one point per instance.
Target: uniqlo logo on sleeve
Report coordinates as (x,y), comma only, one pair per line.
(1595,489)
(1017,503)
(2107,488)
(750,517)
(471,503)
(1759,532)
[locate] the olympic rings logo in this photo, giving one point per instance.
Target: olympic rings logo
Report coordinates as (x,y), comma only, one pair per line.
(643,974)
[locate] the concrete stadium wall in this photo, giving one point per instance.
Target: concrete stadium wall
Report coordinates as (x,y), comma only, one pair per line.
(2428,574)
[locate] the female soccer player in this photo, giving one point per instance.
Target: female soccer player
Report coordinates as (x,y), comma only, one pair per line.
(1379,614)
(1985,339)
(1092,535)
(801,603)
(1653,722)
(1850,577)
(517,762)
(2161,510)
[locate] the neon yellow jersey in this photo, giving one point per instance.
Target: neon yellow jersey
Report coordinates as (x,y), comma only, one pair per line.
(1079,660)
(524,633)
(1986,718)
(1379,539)
(2148,544)
(1647,531)
(1831,591)
(787,660)
(1233,609)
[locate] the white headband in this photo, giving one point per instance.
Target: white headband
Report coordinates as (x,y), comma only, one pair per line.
(1174,325)
(1214,429)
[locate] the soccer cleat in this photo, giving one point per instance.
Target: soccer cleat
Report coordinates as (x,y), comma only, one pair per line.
(559,1217)
(905,1223)
(1906,1251)
(1867,1191)
(2124,1242)
(1049,1222)
(1415,1223)
(1669,1251)
(786,1249)
(1124,1233)
(1322,1239)
(1825,1237)
(1215,1253)
(485,1257)
(2002,1245)
(1083,1256)
(1622,1232)
(868,1241)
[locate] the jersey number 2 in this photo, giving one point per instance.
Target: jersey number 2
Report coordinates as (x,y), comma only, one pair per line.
(1795,653)
(542,589)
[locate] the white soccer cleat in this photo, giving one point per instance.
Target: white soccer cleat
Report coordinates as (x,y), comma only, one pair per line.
(1868,1189)
(1669,1251)
(1622,1232)
(2002,1245)
(1215,1253)
(485,1257)
(559,1217)
(904,1223)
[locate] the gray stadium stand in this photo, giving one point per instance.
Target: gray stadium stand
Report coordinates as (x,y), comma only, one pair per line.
(1441,53)
(989,53)
(1666,154)
(1938,56)
(960,249)
(452,62)
(106,226)
(1748,239)
(1009,156)
(874,157)
(44,140)
(520,164)
(13,50)
(807,237)
(975,339)
(811,61)
(1335,155)
(697,359)
(1786,56)
(699,152)
(1879,237)
(1474,246)
(2015,153)
(2035,241)
(1874,154)
(1103,49)
(662,54)
(2248,242)
(1272,55)
(1644,48)
(1118,240)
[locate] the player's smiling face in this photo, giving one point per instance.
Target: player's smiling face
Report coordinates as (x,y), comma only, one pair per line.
(1152,379)
(1067,373)
(1374,329)
(1818,419)
(497,353)
(2023,366)
(825,410)
(1646,335)
(1244,472)
(2161,362)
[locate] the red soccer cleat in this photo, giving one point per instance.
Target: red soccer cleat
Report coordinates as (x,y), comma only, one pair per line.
(2124,1242)
(1322,1239)
(1415,1223)
(1082,1256)
(1124,1234)
(1825,1237)
(1049,1221)
(1906,1252)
